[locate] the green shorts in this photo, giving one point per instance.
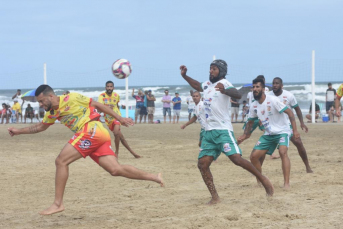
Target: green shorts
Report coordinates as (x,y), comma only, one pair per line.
(270,142)
(254,126)
(202,132)
(271,151)
(216,141)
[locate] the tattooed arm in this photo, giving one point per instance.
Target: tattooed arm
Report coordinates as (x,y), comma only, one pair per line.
(293,123)
(28,130)
(247,131)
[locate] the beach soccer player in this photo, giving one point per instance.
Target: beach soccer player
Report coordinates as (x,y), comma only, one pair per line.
(339,94)
(91,138)
(219,136)
(290,101)
(111,99)
(270,111)
(199,113)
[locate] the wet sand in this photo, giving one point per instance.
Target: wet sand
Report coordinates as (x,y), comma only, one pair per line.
(94,199)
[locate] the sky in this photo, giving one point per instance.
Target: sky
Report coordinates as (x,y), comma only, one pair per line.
(79,40)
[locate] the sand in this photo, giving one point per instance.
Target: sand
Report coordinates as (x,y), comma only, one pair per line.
(94,199)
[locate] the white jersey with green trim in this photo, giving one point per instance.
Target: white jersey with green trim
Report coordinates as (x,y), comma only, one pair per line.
(270,112)
(199,112)
(288,99)
(217,106)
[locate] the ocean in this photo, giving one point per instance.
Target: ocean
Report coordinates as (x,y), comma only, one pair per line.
(302,92)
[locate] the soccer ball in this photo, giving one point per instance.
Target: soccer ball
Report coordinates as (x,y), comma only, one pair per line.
(121,68)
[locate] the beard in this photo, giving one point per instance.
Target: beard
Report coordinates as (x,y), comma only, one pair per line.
(277,91)
(214,79)
(48,107)
(109,91)
(258,96)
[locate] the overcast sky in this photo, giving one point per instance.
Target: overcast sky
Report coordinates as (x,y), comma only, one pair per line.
(81,39)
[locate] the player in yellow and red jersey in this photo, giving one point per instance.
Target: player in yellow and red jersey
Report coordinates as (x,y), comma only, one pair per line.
(339,94)
(111,99)
(91,138)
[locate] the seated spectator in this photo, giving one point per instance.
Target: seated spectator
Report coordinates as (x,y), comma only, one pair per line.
(4,113)
(28,113)
(245,110)
(41,113)
(309,115)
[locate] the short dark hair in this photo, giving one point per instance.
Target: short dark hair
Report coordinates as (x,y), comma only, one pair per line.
(18,90)
(260,77)
(259,80)
(278,78)
(109,82)
(196,92)
(244,101)
(45,89)
(329,84)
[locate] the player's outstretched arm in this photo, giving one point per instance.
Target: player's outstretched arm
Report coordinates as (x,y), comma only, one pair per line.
(192,82)
(292,120)
(300,116)
(193,119)
(28,130)
(109,111)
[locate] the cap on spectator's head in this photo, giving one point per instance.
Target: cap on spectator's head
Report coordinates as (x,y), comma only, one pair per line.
(176,92)
(149,91)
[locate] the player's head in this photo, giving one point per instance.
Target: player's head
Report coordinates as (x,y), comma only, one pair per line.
(258,88)
(196,97)
(44,94)
(109,87)
(277,85)
(191,92)
(261,77)
(218,70)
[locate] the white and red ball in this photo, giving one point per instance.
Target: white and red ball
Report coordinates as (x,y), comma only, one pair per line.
(121,68)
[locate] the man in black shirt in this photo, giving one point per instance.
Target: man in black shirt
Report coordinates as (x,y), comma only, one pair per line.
(309,115)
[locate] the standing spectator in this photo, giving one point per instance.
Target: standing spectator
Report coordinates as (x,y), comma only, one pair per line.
(245,110)
(166,100)
(176,107)
(144,111)
(17,96)
(309,115)
(191,104)
(151,106)
(4,113)
(330,99)
(28,113)
(17,108)
(139,104)
(234,109)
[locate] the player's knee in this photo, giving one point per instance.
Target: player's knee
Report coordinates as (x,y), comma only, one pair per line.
(202,165)
(59,162)
(115,171)
(283,153)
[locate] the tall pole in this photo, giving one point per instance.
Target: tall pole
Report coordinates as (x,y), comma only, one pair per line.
(313,89)
(127,96)
(214,57)
(45,80)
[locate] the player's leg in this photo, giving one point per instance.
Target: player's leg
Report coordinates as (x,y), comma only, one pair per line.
(124,142)
(302,152)
(116,133)
(111,165)
(169,114)
(68,155)
(286,165)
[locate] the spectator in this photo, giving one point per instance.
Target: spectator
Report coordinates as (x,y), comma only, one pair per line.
(151,106)
(139,104)
(66,92)
(4,113)
(332,113)
(234,109)
(17,108)
(17,96)
(144,111)
(28,113)
(176,107)
(191,104)
(166,100)
(330,99)
(41,113)
(245,110)
(309,115)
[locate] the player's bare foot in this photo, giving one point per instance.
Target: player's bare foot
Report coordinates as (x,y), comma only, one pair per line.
(274,156)
(136,156)
(286,186)
(52,209)
(309,170)
(214,201)
(160,179)
(268,186)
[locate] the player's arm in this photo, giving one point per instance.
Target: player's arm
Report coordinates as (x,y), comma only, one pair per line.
(109,111)
(192,82)
(193,119)
(133,91)
(28,130)
(300,116)
(232,92)
(337,103)
(247,131)
(293,123)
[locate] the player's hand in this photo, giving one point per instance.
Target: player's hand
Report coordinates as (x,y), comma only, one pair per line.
(241,138)
(303,126)
(296,134)
(183,126)
(13,131)
(220,87)
(183,69)
(126,122)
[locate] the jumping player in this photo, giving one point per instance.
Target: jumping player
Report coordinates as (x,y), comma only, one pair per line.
(77,112)
(269,110)
(219,136)
(111,99)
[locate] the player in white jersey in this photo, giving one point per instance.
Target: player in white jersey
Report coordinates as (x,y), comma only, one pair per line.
(290,101)
(219,135)
(270,111)
(199,113)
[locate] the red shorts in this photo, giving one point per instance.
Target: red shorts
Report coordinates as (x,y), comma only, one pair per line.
(113,123)
(93,140)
